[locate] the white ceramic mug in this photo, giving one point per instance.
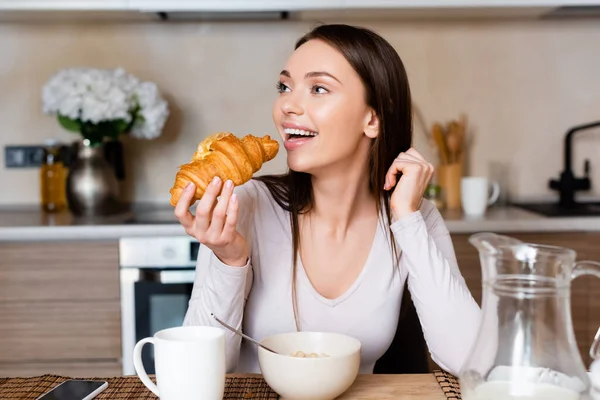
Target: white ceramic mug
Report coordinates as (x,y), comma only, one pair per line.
(189,363)
(475,194)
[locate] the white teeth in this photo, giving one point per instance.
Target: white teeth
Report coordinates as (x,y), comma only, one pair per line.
(299,132)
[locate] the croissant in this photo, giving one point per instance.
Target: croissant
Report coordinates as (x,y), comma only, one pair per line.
(224,155)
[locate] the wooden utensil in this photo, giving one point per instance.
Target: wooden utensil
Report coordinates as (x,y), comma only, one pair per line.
(438,136)
(453,143)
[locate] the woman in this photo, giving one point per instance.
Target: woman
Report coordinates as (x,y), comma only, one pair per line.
(329,245)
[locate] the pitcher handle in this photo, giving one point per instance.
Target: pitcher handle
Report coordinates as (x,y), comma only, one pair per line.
(586,268)
(589,268)
(595,349)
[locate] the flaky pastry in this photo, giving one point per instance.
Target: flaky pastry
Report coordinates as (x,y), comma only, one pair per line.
(224,155)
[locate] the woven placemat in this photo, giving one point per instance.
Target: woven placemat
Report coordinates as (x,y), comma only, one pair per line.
(127,388)
(449,384)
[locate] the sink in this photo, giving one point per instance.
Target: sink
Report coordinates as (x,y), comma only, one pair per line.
(555,210)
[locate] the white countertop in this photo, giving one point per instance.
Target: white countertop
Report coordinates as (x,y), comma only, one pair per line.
(30,224)
(512,219)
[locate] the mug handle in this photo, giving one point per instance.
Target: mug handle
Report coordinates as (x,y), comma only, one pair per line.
(139,366)
(495,193)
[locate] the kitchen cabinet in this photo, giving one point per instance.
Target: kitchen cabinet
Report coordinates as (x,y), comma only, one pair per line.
(291,5)
(332,8)
(60,308)
(585,291)
(233,5)
(54,5)
(463,3)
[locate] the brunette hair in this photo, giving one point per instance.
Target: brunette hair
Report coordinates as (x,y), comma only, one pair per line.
(387,93)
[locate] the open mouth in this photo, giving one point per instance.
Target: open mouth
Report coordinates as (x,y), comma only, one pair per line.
(292,134)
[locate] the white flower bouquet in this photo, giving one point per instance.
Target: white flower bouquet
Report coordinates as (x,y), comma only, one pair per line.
(103,104)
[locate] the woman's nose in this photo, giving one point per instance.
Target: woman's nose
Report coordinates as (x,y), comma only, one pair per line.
(292,104)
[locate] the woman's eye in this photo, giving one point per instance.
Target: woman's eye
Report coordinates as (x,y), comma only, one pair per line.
(319,89)
(281,87)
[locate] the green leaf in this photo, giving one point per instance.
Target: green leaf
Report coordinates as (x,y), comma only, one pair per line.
(91,132)
(69,124)
(120,126)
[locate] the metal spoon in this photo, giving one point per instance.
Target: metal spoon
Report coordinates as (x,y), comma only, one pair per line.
(232,329)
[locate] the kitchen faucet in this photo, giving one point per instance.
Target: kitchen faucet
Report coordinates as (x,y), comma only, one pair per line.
(568,184)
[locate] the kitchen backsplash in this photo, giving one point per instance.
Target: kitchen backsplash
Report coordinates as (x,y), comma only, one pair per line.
(521,83)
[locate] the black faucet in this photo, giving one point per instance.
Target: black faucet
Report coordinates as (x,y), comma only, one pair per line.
(568,184)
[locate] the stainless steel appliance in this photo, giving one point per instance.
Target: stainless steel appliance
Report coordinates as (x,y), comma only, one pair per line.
(157,274)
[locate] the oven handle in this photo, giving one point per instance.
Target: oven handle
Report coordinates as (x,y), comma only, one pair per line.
(177,276)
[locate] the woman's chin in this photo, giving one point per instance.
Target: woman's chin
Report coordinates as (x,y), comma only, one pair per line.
(299,165)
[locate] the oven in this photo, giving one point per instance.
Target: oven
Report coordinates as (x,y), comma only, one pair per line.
(156,277)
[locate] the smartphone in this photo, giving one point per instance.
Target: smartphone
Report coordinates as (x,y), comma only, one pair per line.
(74,389)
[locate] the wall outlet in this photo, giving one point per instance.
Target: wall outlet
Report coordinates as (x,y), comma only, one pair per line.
(23,156)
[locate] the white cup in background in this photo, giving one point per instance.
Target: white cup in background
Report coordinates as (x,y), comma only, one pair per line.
(189,363)
(475,194)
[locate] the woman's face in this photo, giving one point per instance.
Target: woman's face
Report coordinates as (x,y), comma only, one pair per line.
(321,113)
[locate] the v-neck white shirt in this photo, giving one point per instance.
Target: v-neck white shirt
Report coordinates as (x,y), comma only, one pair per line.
(258,297)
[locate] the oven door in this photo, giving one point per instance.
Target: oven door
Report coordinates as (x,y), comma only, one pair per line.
(154,299)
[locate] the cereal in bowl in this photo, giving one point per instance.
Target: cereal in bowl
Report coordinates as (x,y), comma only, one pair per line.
(302,354)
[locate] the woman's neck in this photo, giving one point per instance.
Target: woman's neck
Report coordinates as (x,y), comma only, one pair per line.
(342,199)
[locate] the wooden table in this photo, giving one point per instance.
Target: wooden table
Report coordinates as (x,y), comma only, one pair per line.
(398,387)
(381,387)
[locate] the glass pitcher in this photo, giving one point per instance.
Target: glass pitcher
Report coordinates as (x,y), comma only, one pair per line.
(526,347)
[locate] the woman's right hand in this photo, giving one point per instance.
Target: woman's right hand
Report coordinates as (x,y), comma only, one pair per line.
(215,225)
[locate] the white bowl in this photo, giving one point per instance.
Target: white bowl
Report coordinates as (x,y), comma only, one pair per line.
(323,378)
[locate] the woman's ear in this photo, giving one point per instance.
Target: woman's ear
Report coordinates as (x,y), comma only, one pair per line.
(371,128)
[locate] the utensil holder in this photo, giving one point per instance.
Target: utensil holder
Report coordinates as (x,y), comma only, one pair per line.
(449,177)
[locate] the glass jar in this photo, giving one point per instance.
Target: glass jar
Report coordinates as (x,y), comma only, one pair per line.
(53,176)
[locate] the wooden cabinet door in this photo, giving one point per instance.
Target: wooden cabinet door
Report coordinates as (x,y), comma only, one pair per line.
(59,307)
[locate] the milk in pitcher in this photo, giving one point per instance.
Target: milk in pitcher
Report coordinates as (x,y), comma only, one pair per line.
(510,391)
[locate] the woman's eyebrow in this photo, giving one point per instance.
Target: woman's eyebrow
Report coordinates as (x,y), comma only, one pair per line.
(321,73)
(311,75)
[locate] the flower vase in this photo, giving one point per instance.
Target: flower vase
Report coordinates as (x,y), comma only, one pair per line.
(92,187)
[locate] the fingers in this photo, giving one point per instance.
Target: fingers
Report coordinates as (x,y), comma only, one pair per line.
(398,166)
(413,152)
(409,157)
(219,214)
(182,208)
(231,220)
(409,160)
(205,206)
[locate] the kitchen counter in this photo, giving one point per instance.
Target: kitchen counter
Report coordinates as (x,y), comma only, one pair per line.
(30,224)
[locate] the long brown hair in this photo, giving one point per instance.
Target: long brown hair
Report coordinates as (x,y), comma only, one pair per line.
(388,94)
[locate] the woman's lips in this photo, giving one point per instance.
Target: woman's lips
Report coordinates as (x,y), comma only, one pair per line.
(293,143)
(297,136)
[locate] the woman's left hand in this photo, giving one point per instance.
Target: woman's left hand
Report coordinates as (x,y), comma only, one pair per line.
(408,193)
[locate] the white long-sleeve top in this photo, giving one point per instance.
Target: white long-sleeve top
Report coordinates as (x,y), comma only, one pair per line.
(257,297)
